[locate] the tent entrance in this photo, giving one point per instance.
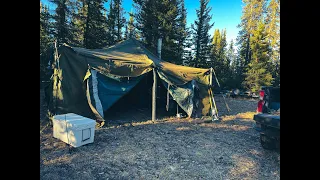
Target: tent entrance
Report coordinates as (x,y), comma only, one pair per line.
(136,105)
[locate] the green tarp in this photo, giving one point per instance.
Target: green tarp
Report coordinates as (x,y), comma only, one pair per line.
(116,70)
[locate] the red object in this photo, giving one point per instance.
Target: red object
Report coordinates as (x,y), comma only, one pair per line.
(259,108)
(261,101)
(261,93)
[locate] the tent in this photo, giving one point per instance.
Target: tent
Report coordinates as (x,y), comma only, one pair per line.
(88,82)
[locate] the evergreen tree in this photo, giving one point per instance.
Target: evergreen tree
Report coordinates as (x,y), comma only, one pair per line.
(44,28)
(182,33)
(126,33)
(111,25)
(240,65)
(219,58)
(119,19)
(78,22)
(223,52)
(233,82)
(188,56)
(45,39)
(131,29)
(94,33)
(165,19)
(147,22)
(273,27)
(252,13)
(189,59)
(231,56)
(201,37)
(215,60)
(62,25)
(168,14)
(273,31)
(215,44)
(257,74)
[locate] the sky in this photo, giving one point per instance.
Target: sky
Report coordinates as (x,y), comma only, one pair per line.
(226,14)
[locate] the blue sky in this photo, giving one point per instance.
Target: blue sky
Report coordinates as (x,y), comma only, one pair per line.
(226,14)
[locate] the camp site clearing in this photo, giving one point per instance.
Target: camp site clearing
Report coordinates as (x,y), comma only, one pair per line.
(168,148)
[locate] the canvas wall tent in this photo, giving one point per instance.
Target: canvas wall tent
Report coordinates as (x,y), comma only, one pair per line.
(88,82)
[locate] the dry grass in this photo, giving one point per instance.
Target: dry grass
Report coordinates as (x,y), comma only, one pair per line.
(166,149)
(245,115)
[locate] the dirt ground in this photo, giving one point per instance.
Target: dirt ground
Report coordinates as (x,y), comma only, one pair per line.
(166,149)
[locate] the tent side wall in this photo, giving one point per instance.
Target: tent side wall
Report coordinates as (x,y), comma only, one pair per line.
(193,97)
(68,88)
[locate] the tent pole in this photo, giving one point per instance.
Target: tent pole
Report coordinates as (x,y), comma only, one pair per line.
(159,47)
(154,95)
(225,102)
(154,88)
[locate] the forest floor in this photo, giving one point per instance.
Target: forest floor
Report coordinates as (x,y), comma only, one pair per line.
(166,149)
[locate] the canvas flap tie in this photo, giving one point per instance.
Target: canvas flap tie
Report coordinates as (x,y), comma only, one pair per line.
(88,74)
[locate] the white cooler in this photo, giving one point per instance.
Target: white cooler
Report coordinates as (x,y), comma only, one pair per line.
(73,129)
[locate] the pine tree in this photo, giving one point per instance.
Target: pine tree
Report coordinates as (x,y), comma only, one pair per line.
(119,19)
(147,22)
(257,74)
(188,59)
(111,25)
(273,26)
(126,33)
(273,31)
(165,19)
(44,28)
(219,58)
(216,42)
(215,60)
(240,65)
(223,52)
(231,56)
(94,33)
(188,56)
(131,29)
(201,37)
(233,82)
(182,33)
(45,40)
(62,25)
(78,22)
(252,13)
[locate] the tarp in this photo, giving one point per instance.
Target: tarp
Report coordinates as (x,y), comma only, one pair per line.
(112,90)
(116,70)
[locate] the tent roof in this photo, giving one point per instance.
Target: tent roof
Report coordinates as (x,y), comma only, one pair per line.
(130,58)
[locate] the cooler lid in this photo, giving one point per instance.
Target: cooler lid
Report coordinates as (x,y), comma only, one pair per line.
(74,120)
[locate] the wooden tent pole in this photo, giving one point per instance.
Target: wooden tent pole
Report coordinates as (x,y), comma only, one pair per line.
(154,95)
(154,88)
